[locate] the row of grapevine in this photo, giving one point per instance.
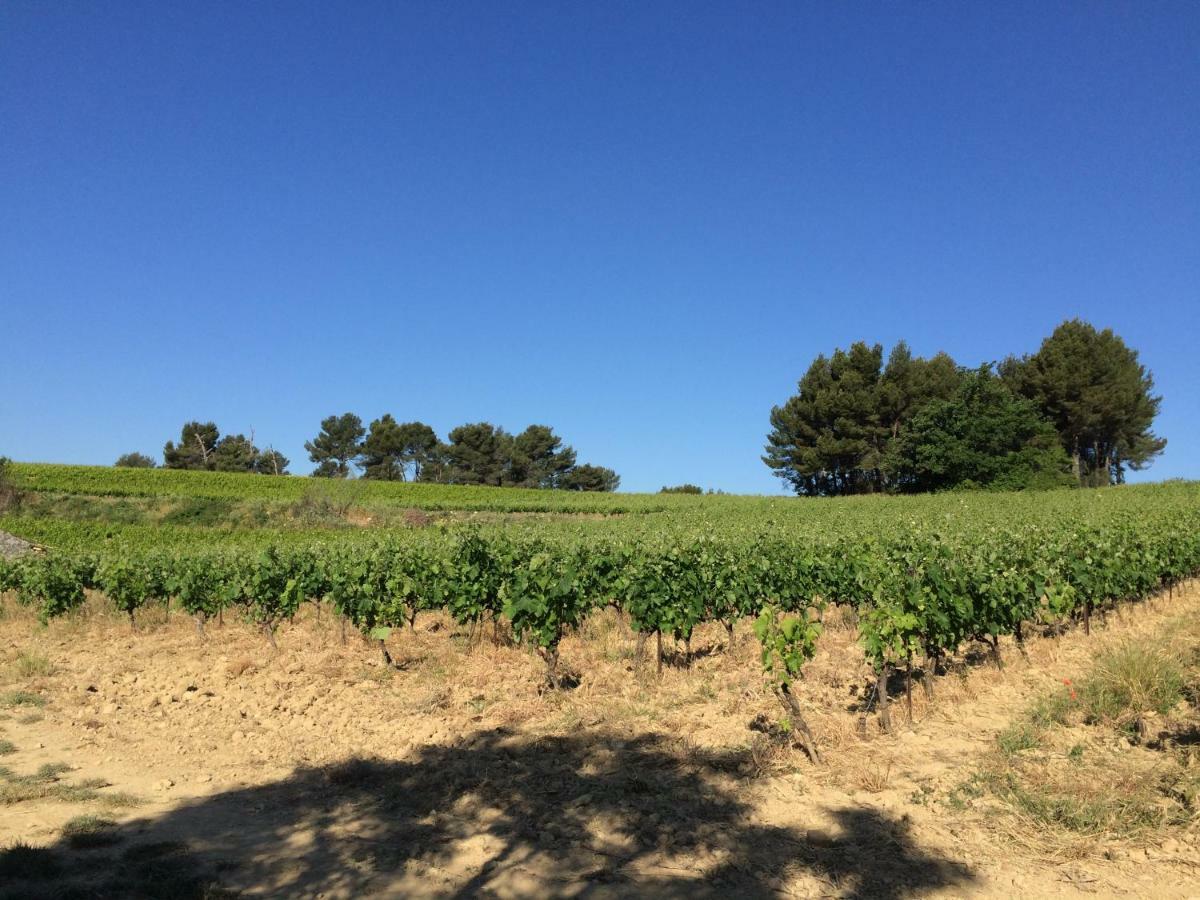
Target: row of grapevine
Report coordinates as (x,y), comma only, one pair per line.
(920,592)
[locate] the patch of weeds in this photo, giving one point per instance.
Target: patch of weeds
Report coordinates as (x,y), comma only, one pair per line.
(1075,754)
(968,792)
(1015,738)
(200,511)
(10,699)
(1054,709)
(7,748)
(89,831)
(30,664)
(45,784)
(1124,805)
(922,795)
(477,705)
(30,718)
(1129,681)
(120,800)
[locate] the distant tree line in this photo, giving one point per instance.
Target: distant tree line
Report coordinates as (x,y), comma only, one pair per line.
(202,447)
(1077,412)
(477,453)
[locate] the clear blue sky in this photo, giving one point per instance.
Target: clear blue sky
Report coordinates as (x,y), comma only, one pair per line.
(636,222)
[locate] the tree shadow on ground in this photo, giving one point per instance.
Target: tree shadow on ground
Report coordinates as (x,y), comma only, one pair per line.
(589,815)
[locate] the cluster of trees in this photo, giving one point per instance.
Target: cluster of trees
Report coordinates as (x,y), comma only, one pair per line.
(476,453)
(201,446)
(1079,411)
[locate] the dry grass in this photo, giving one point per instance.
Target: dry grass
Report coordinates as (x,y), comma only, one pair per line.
(1094,761)
(12,699)
(89,831)
(874,778)
(32,664)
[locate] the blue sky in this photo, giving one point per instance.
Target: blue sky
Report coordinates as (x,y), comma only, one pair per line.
(635,222)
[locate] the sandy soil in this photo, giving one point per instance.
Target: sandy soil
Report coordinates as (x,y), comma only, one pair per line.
(319,771)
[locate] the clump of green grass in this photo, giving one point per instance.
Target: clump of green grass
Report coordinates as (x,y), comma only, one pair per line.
(7,748)
(30,664)
(1129,682)
(10,699)
(1015,738)
(87,831)
(46,784)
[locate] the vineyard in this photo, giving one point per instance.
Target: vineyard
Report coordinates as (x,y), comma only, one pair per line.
(923,578)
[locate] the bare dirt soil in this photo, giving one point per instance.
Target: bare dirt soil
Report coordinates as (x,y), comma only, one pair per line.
(318,770)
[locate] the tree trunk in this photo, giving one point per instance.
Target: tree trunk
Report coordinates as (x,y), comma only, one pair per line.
(1019,635)
(343,631)
(270,631)
(881,691)
(1087,616)
(639,652)
(200,626)
(658,639)
(221,617)
(803,736)
(729,635)
(387,657)
(687,649)
(132,621)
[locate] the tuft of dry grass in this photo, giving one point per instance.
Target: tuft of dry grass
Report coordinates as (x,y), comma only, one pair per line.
(89,830)
(32,664)
(10,699)
(874,778)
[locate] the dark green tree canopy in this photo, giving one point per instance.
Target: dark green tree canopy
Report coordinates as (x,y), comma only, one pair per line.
(234,453)
(983,436)
(1099,397)
(682,489)
(135,461)
(382,449)
(478,453)
(475,453)
(338,444)
(395,451)
(587,477)
(202,447)
(197,443)
(539,458)
(271,462)
(831,437)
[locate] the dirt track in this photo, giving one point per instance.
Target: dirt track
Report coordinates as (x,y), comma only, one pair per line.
(319,771)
